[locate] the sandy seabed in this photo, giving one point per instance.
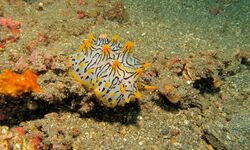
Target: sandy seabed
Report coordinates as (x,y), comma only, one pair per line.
(200,59)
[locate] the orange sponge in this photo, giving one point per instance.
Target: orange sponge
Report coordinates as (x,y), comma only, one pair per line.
(14,84)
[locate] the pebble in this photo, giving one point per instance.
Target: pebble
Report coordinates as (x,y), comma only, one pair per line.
(139,118)
(40,6)
(143,34)
(141,143)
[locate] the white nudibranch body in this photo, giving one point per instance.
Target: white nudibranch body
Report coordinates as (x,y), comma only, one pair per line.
(106,67)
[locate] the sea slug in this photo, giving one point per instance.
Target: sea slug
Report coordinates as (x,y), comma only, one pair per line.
(106,68)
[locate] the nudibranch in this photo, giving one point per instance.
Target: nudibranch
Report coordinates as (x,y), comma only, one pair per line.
(106,68)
